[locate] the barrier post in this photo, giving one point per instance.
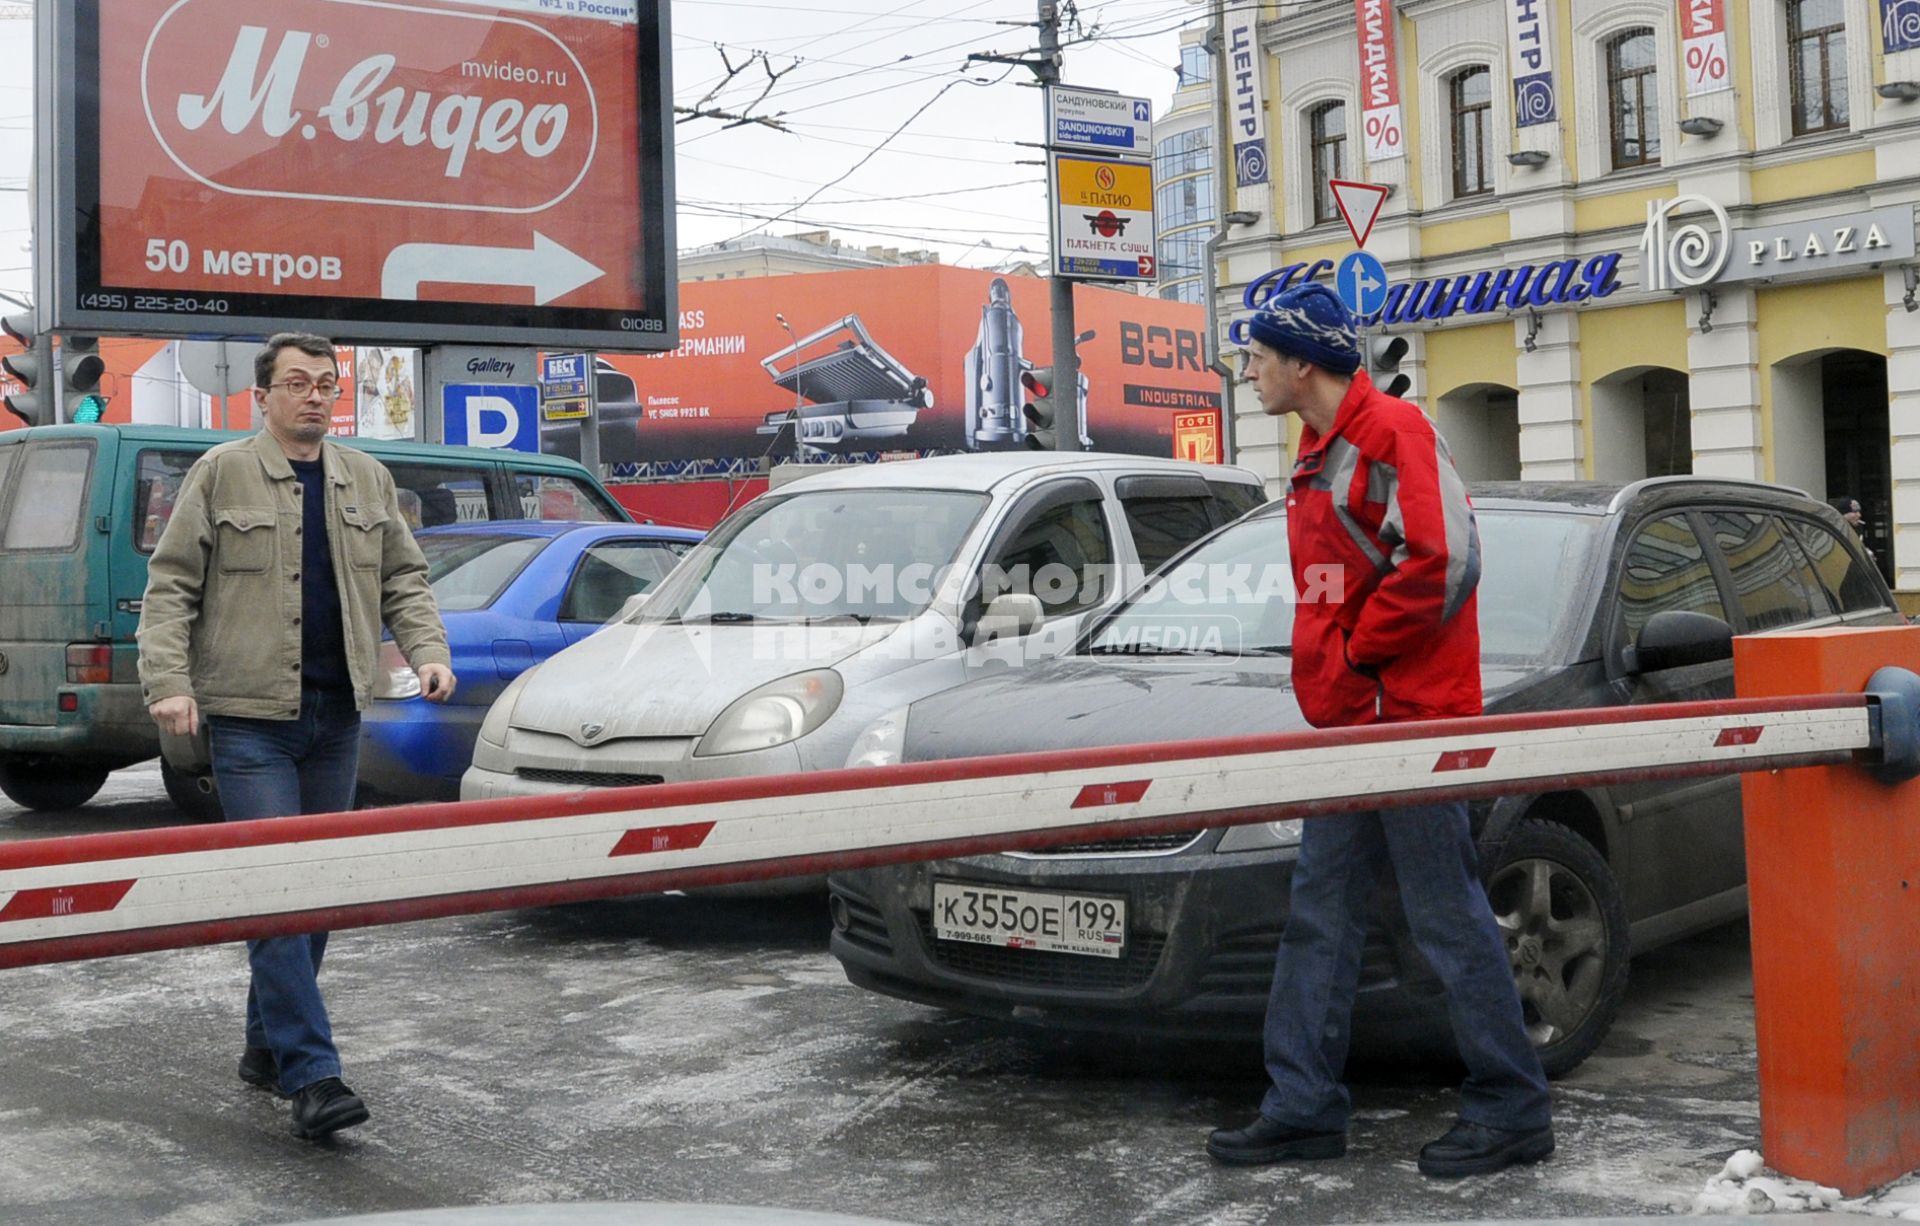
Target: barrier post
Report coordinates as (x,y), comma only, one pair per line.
(1833,872)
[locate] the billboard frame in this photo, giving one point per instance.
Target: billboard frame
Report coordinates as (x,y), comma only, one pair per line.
(68,110)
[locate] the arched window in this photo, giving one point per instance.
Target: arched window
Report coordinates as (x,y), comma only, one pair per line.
(1327,135)
(1470,103)
(1633,99)
(1817,64)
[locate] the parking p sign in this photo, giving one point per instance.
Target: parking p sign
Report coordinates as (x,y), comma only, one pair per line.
(493,415)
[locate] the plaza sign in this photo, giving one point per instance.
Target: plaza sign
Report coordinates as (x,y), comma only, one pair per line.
(1706,249)
(406,170)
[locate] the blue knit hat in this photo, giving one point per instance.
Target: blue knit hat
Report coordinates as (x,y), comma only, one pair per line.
(1309,321)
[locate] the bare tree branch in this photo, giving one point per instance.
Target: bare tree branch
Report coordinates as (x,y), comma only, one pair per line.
(704,108)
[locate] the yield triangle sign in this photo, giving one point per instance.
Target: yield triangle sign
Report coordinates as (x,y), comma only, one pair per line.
(1359,205)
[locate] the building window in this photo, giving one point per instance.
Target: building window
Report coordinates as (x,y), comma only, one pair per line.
(1633,99)
(1327,131)
(1817,61)
(1183,153)
(1471,100)
(1196,66)
(1184,202)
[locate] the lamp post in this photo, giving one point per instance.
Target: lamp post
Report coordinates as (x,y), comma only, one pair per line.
(1238,217)
(799,451)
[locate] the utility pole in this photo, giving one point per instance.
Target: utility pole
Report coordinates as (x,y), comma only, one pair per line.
(1068,428)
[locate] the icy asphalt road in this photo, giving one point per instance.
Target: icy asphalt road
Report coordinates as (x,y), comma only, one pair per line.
(675,1049)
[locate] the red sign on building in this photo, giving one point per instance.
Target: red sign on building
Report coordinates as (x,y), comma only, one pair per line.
(417,171)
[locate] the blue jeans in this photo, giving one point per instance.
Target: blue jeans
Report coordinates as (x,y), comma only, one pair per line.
(1318,970)
(277,768)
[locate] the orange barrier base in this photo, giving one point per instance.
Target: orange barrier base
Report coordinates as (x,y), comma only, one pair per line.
(1833,870)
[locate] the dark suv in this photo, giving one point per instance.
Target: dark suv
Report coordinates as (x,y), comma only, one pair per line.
(1592,596)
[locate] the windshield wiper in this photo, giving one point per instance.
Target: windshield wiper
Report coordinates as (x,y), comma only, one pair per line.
(858,619)
(1137,649)
(719,619)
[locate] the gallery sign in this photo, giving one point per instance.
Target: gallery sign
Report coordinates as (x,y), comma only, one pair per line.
(407,170)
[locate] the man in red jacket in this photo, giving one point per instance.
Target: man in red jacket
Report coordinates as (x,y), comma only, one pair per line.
(1397,637)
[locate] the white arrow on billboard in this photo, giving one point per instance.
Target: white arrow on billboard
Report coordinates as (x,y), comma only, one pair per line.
(549,269)
(1359,205)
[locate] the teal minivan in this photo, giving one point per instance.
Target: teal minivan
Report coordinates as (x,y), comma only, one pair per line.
(81,508)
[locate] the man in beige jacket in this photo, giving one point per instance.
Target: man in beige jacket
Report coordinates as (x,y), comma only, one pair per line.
(265,597)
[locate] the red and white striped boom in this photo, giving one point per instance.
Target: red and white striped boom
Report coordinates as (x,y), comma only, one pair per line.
(96,895)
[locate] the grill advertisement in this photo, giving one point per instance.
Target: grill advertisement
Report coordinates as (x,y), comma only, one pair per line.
(373,169)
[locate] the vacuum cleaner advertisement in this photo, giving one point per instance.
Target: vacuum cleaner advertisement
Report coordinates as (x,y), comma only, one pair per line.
(919,359)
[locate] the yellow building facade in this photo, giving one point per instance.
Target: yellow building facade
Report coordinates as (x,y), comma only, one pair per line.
(1703,261)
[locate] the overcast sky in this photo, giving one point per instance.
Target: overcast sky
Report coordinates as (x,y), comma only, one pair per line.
(865,68)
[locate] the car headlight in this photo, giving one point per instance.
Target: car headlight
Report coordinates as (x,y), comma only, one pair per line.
(493,729)
(1261,836)
(881,742)
(778,712)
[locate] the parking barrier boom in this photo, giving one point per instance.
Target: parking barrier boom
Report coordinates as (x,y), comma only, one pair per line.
(100,895)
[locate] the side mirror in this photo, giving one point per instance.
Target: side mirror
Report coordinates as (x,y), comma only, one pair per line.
(1010,615)
(1675,639)
(631,606)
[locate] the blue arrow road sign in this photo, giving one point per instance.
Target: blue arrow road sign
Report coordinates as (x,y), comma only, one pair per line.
(1362,282)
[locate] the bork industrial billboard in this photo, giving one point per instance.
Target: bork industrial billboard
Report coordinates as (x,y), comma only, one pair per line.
(373,169)
(899,359)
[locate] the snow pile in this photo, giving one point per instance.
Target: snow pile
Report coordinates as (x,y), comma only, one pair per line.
(1742,1188)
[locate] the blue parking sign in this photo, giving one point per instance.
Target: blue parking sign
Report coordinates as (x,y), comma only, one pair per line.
(1361,281)
(492,415)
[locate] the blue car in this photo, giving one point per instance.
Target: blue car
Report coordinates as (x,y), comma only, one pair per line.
(511,593)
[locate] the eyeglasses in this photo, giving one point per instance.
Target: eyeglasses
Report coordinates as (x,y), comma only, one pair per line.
(300,389)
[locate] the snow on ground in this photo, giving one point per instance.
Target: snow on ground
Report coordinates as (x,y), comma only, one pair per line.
(1743,1186)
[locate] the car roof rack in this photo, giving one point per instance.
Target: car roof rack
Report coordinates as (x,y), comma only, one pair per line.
(1634,489)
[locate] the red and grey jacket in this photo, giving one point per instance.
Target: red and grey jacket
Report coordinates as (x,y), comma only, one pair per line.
(1386,560)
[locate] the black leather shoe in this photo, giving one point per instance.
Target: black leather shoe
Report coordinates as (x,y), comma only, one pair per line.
(259,1068)
(326,1106)
(1475,1149)
(1265,1141)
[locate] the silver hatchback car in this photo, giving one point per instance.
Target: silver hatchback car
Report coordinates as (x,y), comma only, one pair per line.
(819,606)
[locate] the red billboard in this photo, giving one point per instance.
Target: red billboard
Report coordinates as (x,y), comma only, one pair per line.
(891,360)
(372,169)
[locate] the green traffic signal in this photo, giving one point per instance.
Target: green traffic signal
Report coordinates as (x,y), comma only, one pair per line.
(90,408)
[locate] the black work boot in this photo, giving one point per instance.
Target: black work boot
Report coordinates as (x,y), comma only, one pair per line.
(1475,1149)
(326,1106)
(259,1068)
(1265,1141)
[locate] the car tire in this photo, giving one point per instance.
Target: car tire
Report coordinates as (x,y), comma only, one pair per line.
(1565,928)
(193,794)
(45,786)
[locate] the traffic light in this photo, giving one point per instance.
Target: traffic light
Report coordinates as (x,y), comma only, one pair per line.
(34,368)
(1041,407)
(80,371)
(1384,355)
